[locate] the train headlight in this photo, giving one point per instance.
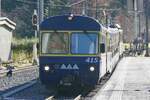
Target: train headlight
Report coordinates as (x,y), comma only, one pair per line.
(70,17)
(46,68)
(92,68)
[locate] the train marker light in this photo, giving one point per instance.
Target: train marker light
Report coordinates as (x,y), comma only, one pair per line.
(92,68)
(46,68)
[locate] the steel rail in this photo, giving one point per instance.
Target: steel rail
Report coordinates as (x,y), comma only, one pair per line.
(7,94)
(50,98)
(78,97)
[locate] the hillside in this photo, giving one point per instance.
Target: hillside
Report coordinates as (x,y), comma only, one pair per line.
(20,11)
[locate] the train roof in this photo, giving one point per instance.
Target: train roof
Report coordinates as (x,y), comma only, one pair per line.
(70,23)
(114,29)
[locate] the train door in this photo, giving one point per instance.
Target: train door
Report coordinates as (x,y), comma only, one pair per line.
(103,49)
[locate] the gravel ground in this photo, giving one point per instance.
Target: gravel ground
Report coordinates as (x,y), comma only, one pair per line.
(17,79)
(36,92)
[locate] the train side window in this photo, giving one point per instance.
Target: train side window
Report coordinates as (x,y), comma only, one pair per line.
(102,47)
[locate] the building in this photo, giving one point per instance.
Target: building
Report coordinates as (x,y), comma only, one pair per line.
(6,31)
(136,18)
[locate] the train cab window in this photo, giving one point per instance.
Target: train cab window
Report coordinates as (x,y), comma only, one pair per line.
(84,43)
(55,42)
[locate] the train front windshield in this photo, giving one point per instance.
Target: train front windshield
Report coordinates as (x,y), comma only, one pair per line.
(77,43)
(84,43)
(53,43)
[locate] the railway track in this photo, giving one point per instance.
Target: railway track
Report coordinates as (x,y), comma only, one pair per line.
(78,97)
(30,89)
(6,96)
(27,92)
(10,95)
(29,67)
(50,98)
(20,77)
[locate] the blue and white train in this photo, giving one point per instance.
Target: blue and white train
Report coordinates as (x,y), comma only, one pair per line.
(77,50)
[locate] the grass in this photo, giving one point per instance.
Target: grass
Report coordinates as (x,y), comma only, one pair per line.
(22,50)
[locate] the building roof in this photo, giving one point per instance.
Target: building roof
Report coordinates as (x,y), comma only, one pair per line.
(7,22)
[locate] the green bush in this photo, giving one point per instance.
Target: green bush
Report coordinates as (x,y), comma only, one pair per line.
(23,50)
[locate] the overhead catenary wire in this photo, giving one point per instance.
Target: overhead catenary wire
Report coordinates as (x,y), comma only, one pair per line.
(78,2)
(35,3)
(69,5)
(27,2)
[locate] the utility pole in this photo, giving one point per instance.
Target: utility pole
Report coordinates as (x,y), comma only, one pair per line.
(84,8)
(41,10)
(96,13)
(135,18)
(146,23)
(106,22)
(139,24)
(35,27)
(38,10)
(106,39)
(0,8)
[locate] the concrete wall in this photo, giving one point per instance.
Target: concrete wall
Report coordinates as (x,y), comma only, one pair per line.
(5,43)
